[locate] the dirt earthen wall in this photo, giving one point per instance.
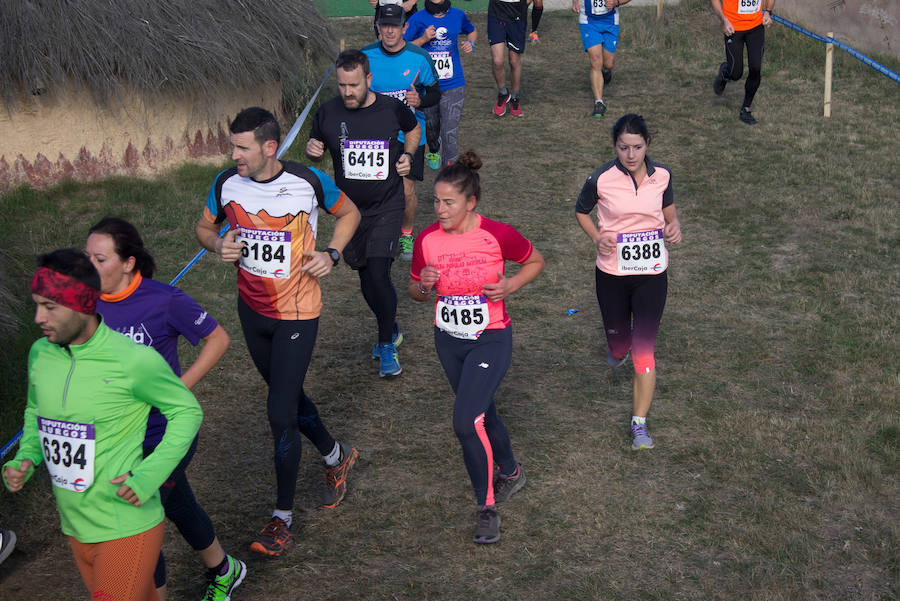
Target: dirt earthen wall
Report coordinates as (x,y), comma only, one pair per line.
(46,139)
(870,26)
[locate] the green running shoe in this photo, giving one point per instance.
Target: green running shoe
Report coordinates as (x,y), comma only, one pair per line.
(221,587)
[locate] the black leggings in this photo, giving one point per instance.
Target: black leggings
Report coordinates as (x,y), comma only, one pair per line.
(632,307)
(755,41)
(281,351)
(380,294)
(475,369)
(183,510)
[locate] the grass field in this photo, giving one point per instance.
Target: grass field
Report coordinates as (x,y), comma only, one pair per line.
(775,475)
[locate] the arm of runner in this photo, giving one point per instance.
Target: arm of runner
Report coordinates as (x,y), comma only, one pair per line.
(575,8)
(531,268)
(208,237)
(767,14)
(315,149)
(20,468)
(319,263)
(672,232)
(214,347)
(153,382)
(426,36)
(727,27)
(605,243)
(420,290)
(15,478)
(469,44)
(431,96)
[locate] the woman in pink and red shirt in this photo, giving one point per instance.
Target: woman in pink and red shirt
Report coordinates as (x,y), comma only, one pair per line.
(635,219)
(462,258)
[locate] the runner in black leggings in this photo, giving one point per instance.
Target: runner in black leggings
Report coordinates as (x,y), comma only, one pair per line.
(636,217)
(462,257)
(744,23)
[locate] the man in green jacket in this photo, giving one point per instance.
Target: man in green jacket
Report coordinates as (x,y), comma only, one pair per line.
(89,392)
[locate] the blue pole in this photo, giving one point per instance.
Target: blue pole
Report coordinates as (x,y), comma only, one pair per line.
(285,144)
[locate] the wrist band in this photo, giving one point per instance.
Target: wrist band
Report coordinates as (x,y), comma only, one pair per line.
(422,290)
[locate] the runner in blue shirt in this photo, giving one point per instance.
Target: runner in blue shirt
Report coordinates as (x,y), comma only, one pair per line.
(437,29)
(407,73)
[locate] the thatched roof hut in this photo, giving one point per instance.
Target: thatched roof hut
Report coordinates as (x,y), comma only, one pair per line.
(93,88)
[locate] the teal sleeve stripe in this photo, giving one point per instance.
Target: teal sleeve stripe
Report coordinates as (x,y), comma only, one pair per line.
(330,189)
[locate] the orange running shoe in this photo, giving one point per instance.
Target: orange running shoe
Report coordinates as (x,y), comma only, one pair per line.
(274,539)
(336,477)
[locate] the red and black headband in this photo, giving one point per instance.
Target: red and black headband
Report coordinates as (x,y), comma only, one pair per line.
(65,291)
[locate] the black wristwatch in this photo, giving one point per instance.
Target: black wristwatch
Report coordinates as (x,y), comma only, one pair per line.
(412,159)
(335,255)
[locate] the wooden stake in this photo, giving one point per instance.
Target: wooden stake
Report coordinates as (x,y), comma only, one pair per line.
(342,44)
(659,9)
(829,52)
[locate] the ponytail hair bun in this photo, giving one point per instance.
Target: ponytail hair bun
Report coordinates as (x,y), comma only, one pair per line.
(470,159)
(463,174)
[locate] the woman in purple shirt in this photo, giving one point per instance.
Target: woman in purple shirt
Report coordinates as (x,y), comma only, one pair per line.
(155,314)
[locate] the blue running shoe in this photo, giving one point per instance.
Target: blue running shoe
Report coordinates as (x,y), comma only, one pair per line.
(390,364)
(396,340)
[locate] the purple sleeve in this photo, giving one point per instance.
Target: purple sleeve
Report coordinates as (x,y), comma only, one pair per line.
(189,318)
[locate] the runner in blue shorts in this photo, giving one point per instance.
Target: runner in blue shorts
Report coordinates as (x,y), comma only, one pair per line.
(599,24)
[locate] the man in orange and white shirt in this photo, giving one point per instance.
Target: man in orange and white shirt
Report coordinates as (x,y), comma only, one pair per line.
(743,24)
(272,208)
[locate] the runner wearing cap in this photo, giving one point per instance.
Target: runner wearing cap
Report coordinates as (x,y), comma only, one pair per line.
(407,73)
(90,390)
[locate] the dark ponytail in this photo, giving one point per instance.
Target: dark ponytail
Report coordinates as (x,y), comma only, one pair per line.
(128,243)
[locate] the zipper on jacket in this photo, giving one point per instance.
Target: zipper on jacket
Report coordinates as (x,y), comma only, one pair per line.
(68,377)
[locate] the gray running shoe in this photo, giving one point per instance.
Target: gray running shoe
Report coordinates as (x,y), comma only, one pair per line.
(336,477)
(613,362)
(487,527)
(599,109)
(507,486)
(640,438)
(7,543)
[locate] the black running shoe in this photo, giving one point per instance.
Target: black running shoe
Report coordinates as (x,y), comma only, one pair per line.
(599,109)
(746,116)
(720,81)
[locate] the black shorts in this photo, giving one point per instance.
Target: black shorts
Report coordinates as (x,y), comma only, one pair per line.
(417,171)
(512,33)
(376,236)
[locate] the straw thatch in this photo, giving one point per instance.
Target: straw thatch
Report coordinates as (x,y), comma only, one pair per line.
(193,48)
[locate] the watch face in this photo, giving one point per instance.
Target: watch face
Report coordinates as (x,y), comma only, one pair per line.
(335,255)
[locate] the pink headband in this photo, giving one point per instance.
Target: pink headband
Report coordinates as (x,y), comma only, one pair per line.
(65,291)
